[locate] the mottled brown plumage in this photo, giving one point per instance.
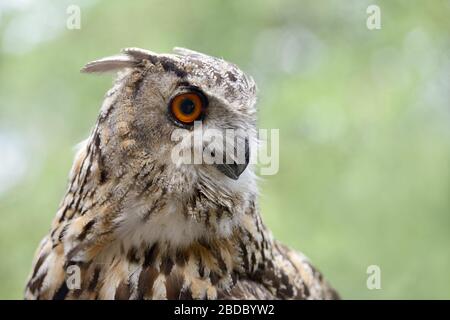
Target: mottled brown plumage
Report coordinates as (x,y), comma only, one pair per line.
(139,226)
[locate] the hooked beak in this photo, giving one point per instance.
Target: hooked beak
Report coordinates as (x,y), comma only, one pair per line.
(235,169)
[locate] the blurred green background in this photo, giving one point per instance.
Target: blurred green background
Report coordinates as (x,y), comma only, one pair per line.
(364,119)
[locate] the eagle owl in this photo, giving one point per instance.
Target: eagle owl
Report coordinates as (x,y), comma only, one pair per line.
(134,224)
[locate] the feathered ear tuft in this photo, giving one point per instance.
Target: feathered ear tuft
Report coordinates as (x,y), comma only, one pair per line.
(130,58)
(140,54)
(109,64)
(186,52)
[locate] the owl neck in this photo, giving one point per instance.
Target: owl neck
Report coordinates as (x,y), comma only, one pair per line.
(131,205)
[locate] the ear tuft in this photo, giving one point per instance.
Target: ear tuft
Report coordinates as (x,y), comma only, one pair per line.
(140,54)
(130,58)
(109,64)
(187,52)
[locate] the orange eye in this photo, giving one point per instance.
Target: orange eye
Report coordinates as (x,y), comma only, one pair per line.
(187,107)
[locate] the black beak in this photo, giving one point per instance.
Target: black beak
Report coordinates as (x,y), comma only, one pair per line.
(234,170)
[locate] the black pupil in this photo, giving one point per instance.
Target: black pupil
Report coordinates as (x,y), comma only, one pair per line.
(187,106)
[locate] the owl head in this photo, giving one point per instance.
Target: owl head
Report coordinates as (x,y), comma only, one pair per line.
(168,111)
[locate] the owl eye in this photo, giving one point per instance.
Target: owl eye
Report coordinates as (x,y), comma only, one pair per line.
(187,107)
